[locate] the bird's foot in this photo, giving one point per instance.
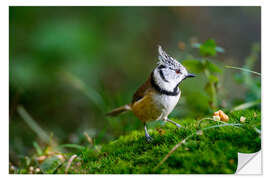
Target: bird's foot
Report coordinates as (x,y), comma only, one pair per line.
(176,124)
(148,138)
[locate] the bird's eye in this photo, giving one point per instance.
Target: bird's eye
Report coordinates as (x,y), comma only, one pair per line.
(177,71)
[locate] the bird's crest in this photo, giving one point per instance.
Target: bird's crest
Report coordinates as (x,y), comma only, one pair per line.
(165,59)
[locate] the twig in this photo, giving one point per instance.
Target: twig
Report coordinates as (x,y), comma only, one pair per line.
(172,150)
(69,162)
(89,139)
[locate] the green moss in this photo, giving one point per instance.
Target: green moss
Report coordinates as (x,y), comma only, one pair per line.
(214,151)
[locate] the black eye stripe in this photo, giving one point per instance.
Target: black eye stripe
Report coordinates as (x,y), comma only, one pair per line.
(162,76)
(161,67)
(175,91)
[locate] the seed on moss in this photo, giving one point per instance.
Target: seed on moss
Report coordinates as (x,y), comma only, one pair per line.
(12,168)
(254,114)
(200,132)
(242,119)
(37,170)
(31,169)
(216,118)
(222,115)
(40,159)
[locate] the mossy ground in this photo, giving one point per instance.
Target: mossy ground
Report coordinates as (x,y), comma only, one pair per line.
(214,151)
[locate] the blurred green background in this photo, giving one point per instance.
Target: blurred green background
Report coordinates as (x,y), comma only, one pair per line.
(70,65)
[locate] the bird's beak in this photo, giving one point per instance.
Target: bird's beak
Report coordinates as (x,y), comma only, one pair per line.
(190,75)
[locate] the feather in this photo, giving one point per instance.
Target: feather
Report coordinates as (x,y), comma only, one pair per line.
(119,110)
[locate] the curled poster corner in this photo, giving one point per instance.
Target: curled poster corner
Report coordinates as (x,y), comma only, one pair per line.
(249,163)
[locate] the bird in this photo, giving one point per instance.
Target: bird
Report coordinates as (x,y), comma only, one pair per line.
(158,96)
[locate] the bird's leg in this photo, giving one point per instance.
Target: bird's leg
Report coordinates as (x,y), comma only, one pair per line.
(148,137)
(178,125)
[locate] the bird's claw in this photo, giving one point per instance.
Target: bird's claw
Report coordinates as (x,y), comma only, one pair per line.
(178,125)
(148,138)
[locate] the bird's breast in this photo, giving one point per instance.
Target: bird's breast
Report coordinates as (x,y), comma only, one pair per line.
(165,102)
(154,106)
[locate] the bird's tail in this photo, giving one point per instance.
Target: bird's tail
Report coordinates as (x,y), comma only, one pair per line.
(119,110)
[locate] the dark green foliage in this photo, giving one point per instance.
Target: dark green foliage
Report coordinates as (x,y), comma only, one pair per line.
(251,81)
(208,69)
(208,48)
(214,151)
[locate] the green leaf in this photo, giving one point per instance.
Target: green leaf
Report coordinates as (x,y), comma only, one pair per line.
(37,147)
(50,165)
(246,105)
(208,89)
(212,79)
(219,49)
(208,48)
(211,67)
(76,146)
(27,160)
(196,45)
(193,65)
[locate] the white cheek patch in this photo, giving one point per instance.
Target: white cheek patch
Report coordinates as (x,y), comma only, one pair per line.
(162,75)
(182,77)
(168,86)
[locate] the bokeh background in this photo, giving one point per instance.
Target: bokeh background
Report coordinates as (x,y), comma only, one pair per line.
(70,65)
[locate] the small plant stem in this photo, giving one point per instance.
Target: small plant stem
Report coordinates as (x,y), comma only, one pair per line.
(34,126)
(89,139)
(213,89)
(243,69)
(246,105)
(208,118)
(69,162)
